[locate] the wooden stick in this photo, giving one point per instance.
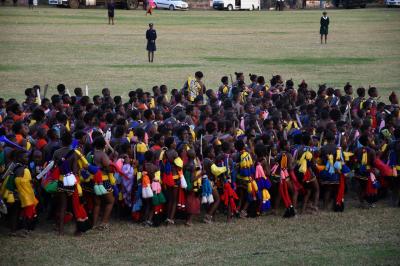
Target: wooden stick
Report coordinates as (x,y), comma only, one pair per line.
(39,99)
(298,120)
(46,87)
(320,139)
(349,113)
(201,146)
(269,157)
(258,126)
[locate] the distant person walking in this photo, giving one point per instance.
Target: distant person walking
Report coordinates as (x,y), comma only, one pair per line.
(111,8)
(30,4)
(149,7)
(323,31)
(151,36)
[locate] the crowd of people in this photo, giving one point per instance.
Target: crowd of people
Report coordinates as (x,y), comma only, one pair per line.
(189,154)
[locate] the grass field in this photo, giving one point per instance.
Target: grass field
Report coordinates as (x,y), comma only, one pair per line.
(78,47)
(355,237)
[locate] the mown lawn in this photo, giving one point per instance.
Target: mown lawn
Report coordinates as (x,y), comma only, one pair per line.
(78,47)
(355,237)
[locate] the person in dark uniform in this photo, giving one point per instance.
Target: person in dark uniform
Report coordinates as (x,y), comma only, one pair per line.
(151,37)
(323,31)
(111,7)
(280,5)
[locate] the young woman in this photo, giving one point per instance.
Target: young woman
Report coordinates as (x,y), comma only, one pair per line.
(111,8)
(101,160)
(151,36)
(192,172)
(324,22)
(20,184)
(170,178)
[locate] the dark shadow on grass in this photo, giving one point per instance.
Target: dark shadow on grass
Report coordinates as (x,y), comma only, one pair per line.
(294,61)
(8,68)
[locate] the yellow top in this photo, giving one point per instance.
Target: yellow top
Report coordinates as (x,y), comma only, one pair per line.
(25,190)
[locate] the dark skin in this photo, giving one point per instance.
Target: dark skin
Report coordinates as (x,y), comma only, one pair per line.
(330,189)
(242,194)
(63,196)
(101,159)
(190,167)
(275,186)
(150,54)
(362,183)
(15,208)
(207,169)
(150,168)
(312,186)
(172,191)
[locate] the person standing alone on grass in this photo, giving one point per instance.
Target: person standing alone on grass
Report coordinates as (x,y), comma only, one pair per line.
(323,31)
(111,7)
(151,37)
(280,5)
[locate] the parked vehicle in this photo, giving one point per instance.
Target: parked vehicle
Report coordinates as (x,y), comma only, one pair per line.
(236,4)
(128,4)
(350,3)
(391,3)
(172,4)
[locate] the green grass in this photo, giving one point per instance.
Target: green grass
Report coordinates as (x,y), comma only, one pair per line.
(355,237)
(294,61)
(77,47)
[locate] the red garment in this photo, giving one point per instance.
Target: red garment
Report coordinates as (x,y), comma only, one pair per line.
(384,169)
(158,209)
(192,203)
(155,147)
(229,197)
(102,125)
(181,199)
(19,138)
(19,117)
(78,209)
(28,212)
(296,183)
(40,144)
(97,177)
(283,190)
(340,194)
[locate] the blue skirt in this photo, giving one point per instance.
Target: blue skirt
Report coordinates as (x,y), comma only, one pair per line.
(151,46)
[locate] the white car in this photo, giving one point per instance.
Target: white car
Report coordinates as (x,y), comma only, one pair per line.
(390,3)
(172,4)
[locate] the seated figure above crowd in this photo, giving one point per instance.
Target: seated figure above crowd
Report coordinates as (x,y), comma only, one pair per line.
(193,153)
